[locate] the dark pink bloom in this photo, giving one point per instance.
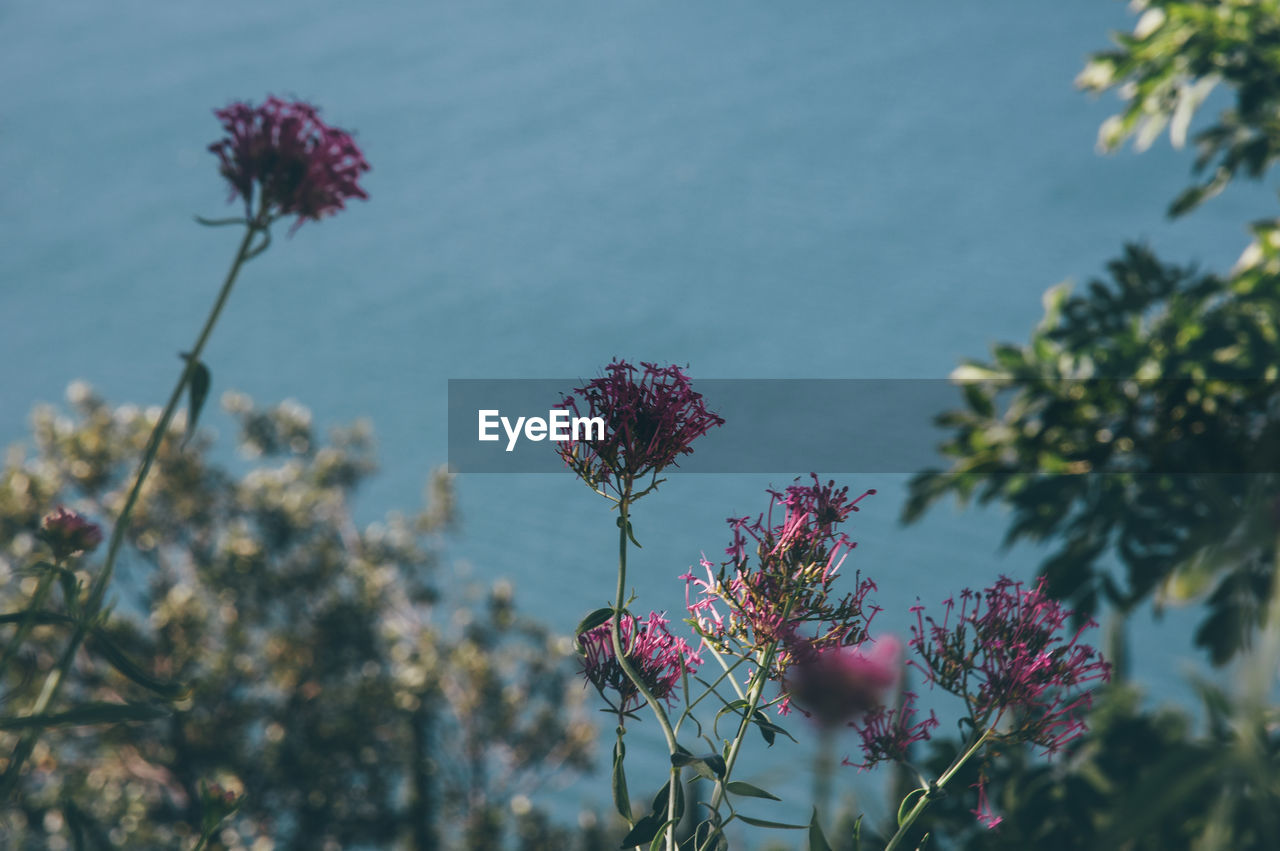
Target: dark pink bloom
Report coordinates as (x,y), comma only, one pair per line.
(300,165)
(888,734)
(834,685)
(649,423)
(1009,654)
(779,581)
(658,657)
(68,533)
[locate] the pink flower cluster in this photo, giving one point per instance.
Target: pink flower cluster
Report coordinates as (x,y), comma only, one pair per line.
(1005,652)
(787,592)
(68,533)
(649,424)
(657,656)
(887,733)
(300,165)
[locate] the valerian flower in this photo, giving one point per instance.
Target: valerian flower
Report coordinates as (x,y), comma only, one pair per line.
(887,734)
(297,164)
(1007,652)
(659,658)
(834,685)
(68,533)
(649,421)
(983,812)
(778,584)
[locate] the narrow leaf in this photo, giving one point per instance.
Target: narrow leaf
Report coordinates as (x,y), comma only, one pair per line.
(621,799)
(759,822)
(817,841)
(197,392)
(103,646)
(741,787)
(91,713)
(644,831)
(593,620)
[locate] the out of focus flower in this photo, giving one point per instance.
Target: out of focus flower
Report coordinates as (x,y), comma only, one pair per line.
(649,423)
(1005,651)
(888,733)
(834,685)
(298,164)
(779,581)
(657,656)
(68,533)
(984,814)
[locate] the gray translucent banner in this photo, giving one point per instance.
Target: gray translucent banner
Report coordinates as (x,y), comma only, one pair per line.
(774,426)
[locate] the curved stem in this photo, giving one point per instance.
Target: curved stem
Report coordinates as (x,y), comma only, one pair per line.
(619,652)
(928,796)
(97,591)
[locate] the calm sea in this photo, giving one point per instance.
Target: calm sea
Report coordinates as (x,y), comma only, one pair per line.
(759,190)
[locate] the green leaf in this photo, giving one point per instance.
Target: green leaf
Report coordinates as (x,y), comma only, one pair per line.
(906,799)
(644,831)
(759,822)
(88,714)
(103,646)
(197,391)
(593,620)
(817,841)
(621,799)
(740,787)
(631,535)
(711,766)
(768,729)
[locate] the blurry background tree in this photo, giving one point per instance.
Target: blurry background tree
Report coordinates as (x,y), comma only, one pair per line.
(1160,384)
(329,680)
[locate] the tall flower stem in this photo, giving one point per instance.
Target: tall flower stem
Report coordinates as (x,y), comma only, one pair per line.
(928,794)
(620,653)
(824,765)
(97,590)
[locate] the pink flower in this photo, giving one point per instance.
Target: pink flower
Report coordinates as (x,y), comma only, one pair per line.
(983,812)
(656,655)
(779,581)
(649,423)
(888,734)
(1007,654)
(300,165)
(834,685)
(68,533)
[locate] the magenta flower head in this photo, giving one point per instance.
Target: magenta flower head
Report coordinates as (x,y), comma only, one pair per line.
(835,685)
(67,533)
(779,583)
(1008,653)
(649,422)
(888,733)
(656,655)
(297,164)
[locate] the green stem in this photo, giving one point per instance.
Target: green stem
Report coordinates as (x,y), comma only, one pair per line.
(97,591)
(930,792)
(824,765)
(755,692)
(620,654)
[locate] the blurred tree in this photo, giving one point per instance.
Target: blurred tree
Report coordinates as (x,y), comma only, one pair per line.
(328,679)
(1141,425)
(1162,378)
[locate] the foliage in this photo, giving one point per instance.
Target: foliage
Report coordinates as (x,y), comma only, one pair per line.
(1162,377)
(327,678)
(1178,53)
